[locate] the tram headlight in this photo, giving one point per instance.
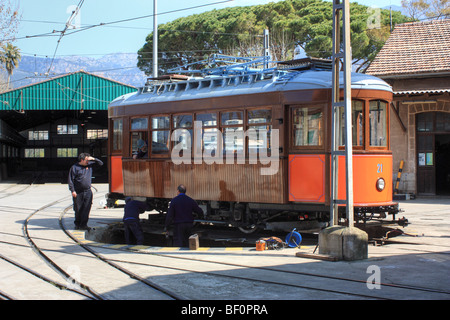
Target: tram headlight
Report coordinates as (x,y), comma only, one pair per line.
(381,184)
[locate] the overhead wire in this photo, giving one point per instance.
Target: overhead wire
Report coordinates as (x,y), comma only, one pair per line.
(68,24)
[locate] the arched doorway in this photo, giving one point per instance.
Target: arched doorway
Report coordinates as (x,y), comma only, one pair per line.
(433,153)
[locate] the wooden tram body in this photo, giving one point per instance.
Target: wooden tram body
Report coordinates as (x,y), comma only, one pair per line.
(297,105)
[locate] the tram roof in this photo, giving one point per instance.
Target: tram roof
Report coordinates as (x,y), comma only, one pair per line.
(252,83)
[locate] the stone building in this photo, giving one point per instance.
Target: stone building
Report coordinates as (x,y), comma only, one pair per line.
(416,62)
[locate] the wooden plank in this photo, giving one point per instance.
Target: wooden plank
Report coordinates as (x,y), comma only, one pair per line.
(316,256)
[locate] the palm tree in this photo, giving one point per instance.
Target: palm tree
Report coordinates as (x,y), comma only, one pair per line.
(10,57)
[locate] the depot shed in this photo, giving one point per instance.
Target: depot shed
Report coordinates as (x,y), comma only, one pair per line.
(44,126)
(416,62)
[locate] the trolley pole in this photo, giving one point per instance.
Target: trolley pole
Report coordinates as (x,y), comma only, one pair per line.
(155,39)
(342,59)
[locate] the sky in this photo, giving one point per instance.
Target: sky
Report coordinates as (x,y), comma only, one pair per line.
(42,17)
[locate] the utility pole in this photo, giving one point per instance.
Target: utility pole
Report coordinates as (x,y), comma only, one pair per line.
(341,242)
(342,59)
(155,39)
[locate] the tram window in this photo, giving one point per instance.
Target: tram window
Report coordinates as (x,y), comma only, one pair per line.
(357,124)
(162,122)
(308,126)
(139,124)
(207,119)
(160,141)
(232,118)
(117,134)
(160,135)
(259,135)
(182,121)
(208,144)
(233,140)
(139,141)
(378,123)
(259,116)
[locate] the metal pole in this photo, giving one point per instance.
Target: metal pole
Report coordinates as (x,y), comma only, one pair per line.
(266,48)
(348,113)
(341,50)
(155,40)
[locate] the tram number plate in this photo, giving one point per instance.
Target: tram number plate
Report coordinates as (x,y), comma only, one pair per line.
(380,168)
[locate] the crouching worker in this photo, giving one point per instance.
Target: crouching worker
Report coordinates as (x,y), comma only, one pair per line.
(133,208)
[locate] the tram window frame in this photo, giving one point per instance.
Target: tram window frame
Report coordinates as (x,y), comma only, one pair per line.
(362,142)
(117,135)
(166,129)
(386,125)
(321,129)
(224,127)
(189,126)
(268,124)
(211,130)
(138,131)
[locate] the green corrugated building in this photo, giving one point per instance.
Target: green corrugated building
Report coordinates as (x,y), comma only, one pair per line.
(53,121)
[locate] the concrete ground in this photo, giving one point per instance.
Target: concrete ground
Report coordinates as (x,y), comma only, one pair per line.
(414,266)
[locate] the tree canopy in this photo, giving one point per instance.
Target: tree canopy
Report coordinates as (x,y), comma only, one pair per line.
(238,31)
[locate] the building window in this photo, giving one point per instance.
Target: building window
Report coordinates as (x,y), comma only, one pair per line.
(34,153)
(38,135)
(67,152)
(67,129)
(97,134)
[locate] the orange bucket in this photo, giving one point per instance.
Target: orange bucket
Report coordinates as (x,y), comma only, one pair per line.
(260,245)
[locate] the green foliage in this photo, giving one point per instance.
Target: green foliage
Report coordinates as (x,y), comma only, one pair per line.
(238,31)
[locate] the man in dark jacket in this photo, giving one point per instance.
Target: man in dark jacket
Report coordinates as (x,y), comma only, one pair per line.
(180,214)
(80,176)
(133,208)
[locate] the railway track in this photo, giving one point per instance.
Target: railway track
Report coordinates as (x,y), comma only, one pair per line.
(83,271)
(64,258)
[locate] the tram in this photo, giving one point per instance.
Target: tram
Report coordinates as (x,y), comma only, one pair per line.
(252,146)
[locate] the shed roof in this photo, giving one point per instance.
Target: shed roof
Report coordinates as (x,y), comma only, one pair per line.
(414,48)
(75,91)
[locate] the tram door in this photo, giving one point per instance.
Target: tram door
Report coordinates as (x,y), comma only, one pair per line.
(433,153)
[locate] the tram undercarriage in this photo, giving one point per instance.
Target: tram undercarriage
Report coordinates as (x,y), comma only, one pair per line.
(249,217)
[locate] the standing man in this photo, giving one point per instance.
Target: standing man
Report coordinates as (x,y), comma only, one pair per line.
(80,176)
(180,214)
(133,208)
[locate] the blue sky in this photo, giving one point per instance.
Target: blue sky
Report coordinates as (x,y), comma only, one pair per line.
(44,16)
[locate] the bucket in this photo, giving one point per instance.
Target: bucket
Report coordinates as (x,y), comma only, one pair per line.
(260,245)
(293,239)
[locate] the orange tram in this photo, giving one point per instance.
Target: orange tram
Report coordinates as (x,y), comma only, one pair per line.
(253,147)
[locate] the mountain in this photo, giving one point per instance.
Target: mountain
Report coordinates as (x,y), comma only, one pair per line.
(120,67)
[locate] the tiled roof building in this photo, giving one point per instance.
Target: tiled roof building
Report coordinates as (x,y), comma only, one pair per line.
(415,48)
(416,62)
